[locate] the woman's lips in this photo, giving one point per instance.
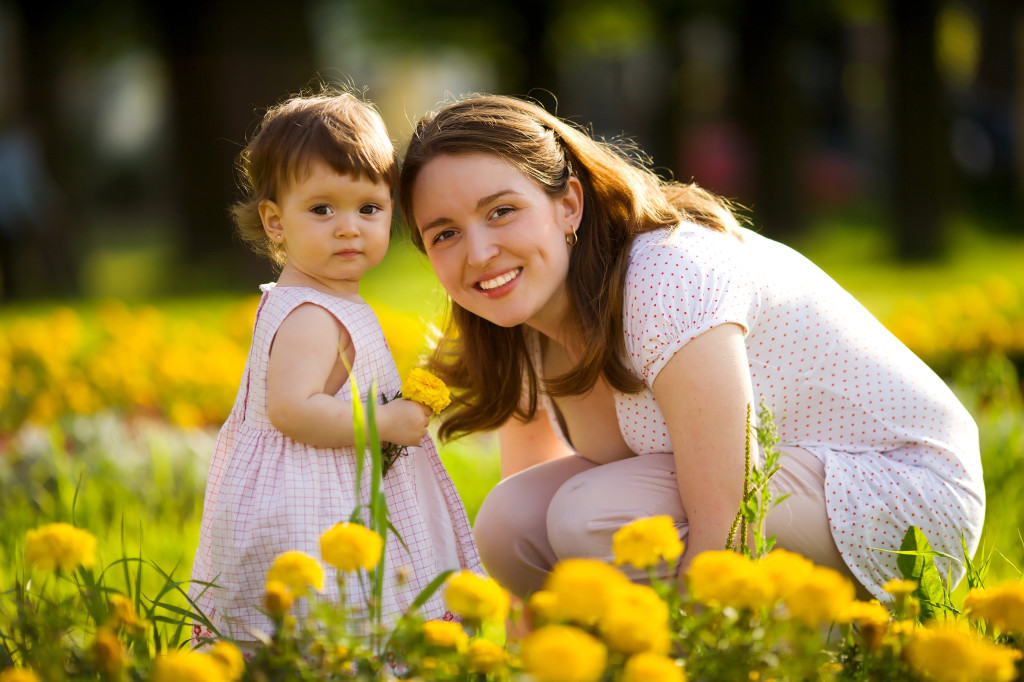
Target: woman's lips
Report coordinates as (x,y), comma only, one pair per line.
(499,281)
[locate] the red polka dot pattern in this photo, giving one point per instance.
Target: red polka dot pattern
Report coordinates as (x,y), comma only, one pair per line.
(898,447)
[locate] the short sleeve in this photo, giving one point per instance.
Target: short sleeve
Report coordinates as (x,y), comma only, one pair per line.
(679,287)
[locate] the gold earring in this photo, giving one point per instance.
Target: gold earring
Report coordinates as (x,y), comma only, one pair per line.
(572,239)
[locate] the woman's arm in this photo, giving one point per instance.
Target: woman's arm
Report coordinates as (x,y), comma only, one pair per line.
(525,444)
(306,371)
(703,392)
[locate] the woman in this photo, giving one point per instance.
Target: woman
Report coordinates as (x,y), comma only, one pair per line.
(614,329)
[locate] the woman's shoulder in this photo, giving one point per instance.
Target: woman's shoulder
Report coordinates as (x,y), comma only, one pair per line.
(686,248)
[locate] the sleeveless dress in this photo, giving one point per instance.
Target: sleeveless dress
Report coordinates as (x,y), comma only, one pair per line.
(267,494)
(897,446)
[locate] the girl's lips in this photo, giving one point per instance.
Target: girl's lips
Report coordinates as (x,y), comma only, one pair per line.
(348,253)
(499,282)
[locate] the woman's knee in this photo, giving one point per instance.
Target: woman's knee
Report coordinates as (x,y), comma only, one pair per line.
(589,508)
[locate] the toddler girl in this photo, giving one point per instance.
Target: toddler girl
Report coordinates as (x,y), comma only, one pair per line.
(318,177)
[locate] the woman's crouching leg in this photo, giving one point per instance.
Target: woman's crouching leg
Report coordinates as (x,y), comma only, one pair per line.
(590,507)
(511,525)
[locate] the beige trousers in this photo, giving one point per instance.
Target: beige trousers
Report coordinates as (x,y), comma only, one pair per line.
(571,507)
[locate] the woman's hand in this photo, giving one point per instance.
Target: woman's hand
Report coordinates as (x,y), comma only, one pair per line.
(703,392)
(402,421)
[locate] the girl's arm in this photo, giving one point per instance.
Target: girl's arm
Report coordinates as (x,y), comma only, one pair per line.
(306,371)
(703,392)
(525,444)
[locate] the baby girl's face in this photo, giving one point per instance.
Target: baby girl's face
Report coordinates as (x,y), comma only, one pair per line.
(333,227)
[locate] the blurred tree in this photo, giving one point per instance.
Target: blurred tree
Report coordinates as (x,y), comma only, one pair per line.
(42,255)
(770,113)
(228,62)
(919,132)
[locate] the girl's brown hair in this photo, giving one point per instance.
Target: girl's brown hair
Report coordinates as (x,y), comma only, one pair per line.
(338,128)
(488,365)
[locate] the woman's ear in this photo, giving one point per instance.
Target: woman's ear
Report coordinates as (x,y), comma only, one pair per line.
(572,204)
(270,216)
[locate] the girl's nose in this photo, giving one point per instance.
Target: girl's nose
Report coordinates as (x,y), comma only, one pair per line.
(345,227)
(481,246)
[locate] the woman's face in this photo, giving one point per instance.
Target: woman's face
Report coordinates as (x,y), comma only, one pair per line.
(496,240)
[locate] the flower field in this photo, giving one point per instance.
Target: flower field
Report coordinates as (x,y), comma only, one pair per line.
(107,418)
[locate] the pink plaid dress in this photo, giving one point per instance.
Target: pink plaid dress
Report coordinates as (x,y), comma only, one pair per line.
(267,494)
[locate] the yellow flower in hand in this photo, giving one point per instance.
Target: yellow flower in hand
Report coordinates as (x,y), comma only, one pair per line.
(60,546)
(298,571)
(476,598)
(645,542)
(350,546)
(426,389)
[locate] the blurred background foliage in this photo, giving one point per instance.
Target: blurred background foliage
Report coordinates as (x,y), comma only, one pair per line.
(120,119)
(881,137)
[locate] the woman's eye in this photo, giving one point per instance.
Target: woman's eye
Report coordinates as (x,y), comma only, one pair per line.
(322,209)
(502,211)
(442,236)
(370,209)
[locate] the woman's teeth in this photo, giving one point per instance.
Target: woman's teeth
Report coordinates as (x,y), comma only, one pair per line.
(499,280)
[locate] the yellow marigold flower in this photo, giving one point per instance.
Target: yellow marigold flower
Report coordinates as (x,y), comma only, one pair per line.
(485,656)
(122,614)
(1002,606)
(476,598)
(277,598)
(445,633)
(562,653)
(648,667)
(542,608)
(350,546)
(871,619)
(645,542)
(298,571)
(230,659)
(19,675)
(583,588)
(108,652)
(636,620)
(186,666)
(900,588)
(948,654)
(785,571)
(426,389)
(726,578)
(822,598)
(60,546)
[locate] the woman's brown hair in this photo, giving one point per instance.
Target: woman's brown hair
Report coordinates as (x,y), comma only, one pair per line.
(485,363)
(338,128)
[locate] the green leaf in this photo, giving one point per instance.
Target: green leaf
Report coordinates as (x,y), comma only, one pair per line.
(915,563)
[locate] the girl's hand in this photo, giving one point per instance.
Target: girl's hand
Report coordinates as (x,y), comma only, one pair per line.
(402,421)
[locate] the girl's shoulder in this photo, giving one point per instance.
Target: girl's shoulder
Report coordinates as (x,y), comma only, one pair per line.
(280,301)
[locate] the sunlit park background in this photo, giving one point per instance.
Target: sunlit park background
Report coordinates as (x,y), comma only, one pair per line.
(882,139)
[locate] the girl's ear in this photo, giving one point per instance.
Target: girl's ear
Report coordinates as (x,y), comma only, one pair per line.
(572,205)
(270,216)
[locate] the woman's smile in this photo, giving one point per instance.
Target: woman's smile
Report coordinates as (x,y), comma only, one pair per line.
(499,282)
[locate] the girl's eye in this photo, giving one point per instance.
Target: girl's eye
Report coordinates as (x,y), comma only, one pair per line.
(370,209)
(322,209)
(442,236)
(502,211)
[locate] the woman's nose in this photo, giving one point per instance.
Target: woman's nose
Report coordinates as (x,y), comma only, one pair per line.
(481,246)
